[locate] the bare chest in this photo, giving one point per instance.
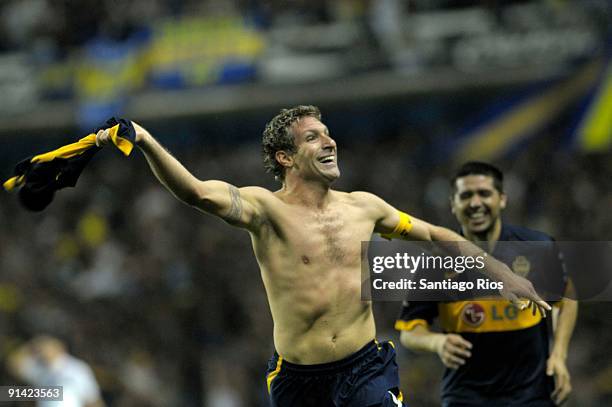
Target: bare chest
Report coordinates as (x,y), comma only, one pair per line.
(330,236)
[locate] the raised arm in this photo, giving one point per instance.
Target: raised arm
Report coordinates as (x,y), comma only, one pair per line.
(237,206)
(393,223)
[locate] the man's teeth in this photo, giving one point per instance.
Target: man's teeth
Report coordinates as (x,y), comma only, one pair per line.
(327,159)
(477,215)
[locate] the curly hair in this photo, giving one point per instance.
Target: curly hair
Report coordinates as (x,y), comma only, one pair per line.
(277,136)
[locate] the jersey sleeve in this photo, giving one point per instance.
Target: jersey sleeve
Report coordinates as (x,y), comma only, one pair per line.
(415,313)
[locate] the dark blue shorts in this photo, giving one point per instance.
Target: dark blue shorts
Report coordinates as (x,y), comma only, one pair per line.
(366,378)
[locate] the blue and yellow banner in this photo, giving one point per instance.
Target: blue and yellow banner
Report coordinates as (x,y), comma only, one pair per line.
(500,131)
(594,130)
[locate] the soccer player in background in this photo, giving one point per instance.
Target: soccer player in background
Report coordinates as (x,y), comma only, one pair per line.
(494,355)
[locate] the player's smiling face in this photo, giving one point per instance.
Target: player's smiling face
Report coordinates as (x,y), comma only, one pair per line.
(316,155)
(476,203)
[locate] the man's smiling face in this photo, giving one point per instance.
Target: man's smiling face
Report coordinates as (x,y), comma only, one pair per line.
(476,203)
(316,156)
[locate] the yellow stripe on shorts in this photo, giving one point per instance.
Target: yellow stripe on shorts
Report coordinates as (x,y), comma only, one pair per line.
(274,373)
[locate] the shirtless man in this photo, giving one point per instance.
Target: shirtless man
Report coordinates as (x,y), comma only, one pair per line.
(307,241)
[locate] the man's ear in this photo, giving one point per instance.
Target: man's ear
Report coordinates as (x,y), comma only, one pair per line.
(503,201)
(284,159)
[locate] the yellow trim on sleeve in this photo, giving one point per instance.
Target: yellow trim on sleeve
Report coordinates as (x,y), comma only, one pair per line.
(13,182)
(67,151)
(124,145)
(400,396)
(84,144)
(274,373)
(402,325)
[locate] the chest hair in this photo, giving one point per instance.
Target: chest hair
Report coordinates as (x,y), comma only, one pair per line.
(330,224)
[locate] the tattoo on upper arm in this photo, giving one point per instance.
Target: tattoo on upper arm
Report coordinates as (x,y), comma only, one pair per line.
(235,211)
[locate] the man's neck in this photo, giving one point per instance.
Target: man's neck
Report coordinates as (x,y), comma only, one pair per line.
(308,193)
(491,235)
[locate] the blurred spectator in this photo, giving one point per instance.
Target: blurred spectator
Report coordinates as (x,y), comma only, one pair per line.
(44,361)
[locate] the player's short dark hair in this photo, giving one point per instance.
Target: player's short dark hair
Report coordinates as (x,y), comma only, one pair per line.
(277,136)
(479,168)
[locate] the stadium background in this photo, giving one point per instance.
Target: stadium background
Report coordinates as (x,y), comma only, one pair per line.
(167,305)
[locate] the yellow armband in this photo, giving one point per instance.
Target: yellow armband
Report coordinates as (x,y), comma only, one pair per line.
(403,227)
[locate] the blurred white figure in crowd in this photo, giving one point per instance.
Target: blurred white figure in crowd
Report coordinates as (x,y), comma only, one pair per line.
(44,361)
(223,387)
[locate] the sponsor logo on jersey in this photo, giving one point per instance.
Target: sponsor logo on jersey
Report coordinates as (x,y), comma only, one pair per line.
(473,314)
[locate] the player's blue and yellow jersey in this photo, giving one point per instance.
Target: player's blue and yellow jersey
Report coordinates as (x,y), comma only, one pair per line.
(510,347)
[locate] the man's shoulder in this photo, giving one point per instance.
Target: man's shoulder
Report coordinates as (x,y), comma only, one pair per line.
(513,232)
(255,190)
(367,201)
(258,194)
(363,197)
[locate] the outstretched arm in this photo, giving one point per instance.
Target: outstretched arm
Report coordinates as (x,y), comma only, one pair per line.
(237,206)
(515,287)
